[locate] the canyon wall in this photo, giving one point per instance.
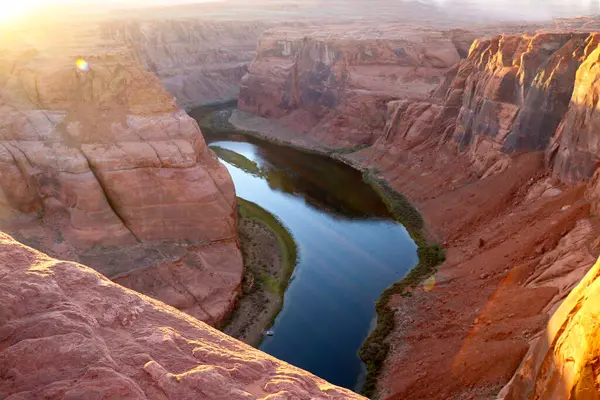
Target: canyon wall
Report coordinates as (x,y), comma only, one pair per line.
(510,95)
(334,85)
(198,61)
(508,138)
(68,332)
(500,158)
(100,165)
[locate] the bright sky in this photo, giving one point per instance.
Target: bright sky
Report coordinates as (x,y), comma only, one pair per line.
(11,10)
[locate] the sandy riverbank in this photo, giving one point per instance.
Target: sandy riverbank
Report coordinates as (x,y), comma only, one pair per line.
(269,255)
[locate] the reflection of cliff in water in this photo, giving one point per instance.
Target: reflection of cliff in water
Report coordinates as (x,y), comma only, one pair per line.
(324,183)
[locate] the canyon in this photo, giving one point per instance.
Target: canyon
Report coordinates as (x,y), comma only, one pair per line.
(491,137)
(500,159)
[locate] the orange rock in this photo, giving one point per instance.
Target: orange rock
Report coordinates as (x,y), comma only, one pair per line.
(561,364)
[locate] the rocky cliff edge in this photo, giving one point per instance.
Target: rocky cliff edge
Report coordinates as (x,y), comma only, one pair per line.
(67,332)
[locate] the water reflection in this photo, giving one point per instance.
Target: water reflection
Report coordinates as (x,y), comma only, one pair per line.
(324,183)
(350,250)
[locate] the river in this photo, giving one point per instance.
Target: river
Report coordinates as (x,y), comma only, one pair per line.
(350,249)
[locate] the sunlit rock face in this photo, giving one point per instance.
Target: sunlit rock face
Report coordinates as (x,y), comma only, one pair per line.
(99,164)
(68,332)
(512,94)
(562,363)
(199,62)
(334,84)
(575,150)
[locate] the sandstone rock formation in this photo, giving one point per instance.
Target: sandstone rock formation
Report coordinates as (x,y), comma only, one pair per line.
(198,61)
(562,361)
(335,85)
(68,332)
(100,163)
(510,95)
(513,94)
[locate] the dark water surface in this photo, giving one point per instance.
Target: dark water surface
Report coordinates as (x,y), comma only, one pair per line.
(350,249)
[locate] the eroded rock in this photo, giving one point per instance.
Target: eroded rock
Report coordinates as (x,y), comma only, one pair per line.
(101,160)
(335,84)
(68,332)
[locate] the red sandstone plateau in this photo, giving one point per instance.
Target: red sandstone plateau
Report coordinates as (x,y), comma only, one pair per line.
(492,137)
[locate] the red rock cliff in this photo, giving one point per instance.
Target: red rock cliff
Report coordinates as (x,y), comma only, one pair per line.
(101,165)
(334,84)
(487,148)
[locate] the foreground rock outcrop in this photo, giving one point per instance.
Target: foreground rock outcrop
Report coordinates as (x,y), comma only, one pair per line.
(68,332)
(562,362)
(98,164)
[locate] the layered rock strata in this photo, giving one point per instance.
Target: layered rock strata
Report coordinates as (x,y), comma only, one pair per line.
(99,163)
(334,85)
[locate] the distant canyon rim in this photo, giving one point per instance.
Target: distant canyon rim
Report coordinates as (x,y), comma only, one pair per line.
(488,129)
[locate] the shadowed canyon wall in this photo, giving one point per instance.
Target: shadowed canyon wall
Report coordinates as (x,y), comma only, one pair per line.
(199,62)
(335,85)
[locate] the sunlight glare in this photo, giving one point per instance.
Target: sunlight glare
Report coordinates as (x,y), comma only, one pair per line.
(82,65)
(12,10)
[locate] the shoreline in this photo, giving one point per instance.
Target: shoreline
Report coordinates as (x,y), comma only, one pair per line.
(374,349)
(270,256)
(465,330)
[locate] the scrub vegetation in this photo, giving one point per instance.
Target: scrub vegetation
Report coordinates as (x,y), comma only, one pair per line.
(270,253)
(237,160)
(375,348)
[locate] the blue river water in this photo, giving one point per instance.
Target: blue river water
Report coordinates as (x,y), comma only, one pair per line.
(350,250)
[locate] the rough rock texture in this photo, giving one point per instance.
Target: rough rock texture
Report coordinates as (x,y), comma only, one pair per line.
(518,240)
(575,150)
(102,159)
(67,332)
(199,62)
(334,83)
(511,95)
(562,363)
